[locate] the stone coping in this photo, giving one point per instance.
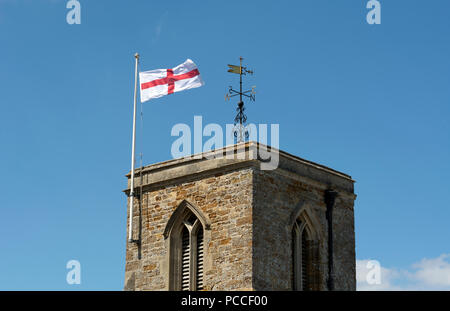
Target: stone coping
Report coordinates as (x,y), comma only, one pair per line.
(202,162)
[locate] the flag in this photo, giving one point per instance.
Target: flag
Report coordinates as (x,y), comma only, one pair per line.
(160,82)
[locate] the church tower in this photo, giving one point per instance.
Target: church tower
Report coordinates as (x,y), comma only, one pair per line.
(211,222)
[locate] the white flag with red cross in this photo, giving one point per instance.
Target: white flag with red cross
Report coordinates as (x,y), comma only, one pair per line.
(160,82)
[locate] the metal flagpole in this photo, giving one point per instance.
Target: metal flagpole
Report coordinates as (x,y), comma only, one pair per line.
(130,229)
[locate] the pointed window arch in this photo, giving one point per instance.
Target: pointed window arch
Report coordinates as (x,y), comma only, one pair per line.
(185,231)
(301,257)
(305,251)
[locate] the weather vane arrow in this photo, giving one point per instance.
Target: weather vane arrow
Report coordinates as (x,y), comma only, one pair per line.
(235,69)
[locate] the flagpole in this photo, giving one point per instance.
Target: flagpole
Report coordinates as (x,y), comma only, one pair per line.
(130,229)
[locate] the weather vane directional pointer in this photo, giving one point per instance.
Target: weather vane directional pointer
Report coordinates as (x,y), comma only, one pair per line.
(240,118)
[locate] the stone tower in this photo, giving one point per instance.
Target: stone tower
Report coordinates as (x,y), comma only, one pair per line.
(212,222)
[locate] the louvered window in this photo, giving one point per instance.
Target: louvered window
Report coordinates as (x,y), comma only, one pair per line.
(191,253)
(302,258)
(187,247)
(294,274)
(305,263)
(200,259)
(185,259)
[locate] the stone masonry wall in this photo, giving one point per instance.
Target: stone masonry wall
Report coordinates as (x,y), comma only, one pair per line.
(276,197)
(225,199)
(344,244)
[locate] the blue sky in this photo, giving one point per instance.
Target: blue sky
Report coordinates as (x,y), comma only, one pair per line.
(369,100)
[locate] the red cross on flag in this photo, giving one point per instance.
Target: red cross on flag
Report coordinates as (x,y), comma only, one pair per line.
(160,82)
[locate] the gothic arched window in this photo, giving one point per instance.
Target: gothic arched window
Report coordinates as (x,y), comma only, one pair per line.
(186,233)
(305,256)
(191,254)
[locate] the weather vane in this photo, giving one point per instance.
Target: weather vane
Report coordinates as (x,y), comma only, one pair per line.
(240,118)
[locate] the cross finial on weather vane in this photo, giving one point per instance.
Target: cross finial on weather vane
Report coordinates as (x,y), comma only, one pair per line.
(241,133)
